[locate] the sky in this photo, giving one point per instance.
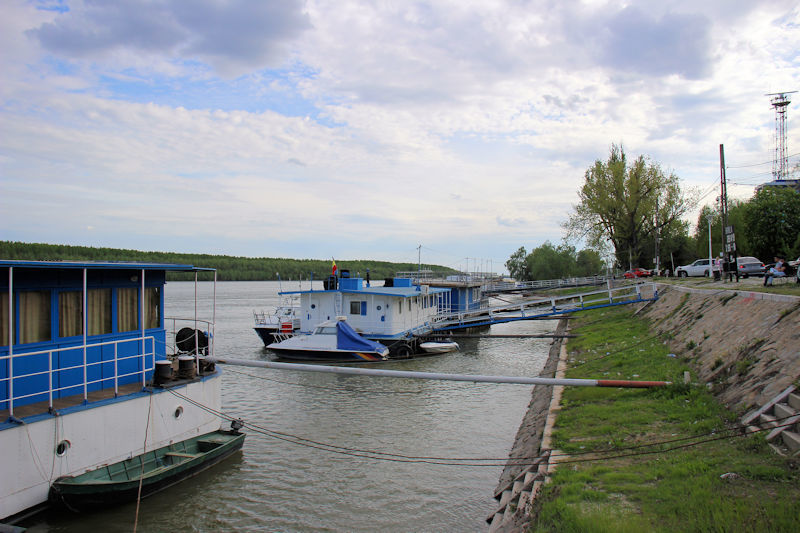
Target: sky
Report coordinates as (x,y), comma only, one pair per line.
(453,132)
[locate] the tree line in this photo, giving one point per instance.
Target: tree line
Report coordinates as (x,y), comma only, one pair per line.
(631,213)
(229,268)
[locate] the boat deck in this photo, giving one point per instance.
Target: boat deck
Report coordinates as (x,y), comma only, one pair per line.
(40,408)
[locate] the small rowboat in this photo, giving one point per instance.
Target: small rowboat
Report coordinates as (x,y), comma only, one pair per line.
(439,347)
(156,470)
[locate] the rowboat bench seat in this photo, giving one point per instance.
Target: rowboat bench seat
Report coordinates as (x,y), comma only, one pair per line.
(181,454)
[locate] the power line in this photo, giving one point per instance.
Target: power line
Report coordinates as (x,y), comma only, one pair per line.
(734,432)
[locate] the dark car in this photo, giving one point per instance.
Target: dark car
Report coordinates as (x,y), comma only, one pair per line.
(750,266)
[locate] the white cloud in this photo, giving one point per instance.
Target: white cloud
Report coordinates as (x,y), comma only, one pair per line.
(466,124)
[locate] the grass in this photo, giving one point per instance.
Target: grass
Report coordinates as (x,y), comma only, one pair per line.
(637,460)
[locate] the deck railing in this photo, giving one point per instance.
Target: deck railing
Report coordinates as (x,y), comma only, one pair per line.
(145,356)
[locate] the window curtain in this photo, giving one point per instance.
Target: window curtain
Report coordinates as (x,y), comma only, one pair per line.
(127,309)
(70,317)
(152,307)
(99,311)
(34,316)
(3,319)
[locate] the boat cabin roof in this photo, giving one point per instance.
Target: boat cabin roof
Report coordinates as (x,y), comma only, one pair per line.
(103,265)
(397,292)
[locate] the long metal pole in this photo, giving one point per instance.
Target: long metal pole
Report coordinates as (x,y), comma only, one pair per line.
(11,341)
(374,372)
(141,324)
(85,372)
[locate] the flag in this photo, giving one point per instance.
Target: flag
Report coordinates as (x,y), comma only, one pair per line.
(333,269)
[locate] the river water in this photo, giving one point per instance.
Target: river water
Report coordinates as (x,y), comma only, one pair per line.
(275,485)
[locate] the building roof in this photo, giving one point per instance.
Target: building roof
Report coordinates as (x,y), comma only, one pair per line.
(102,265)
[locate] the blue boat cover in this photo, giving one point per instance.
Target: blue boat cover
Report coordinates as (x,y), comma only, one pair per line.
(348,339)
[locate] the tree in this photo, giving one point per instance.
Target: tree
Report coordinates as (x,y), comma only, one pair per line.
(551,262)
(589,263)
(772,219)
(626,204)
(517,268)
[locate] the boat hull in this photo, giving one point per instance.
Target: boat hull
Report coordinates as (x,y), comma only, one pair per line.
(439,347)
(80,496)
(318,355)
(267,335)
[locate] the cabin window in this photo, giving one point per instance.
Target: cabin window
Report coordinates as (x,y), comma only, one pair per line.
(400,307)
(409,304)
(34,316)
(127,309)
(70,316)
(152,307)
(99,311)
(358,308)
(3,318)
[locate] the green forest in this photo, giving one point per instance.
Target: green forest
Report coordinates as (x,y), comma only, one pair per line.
(228,268)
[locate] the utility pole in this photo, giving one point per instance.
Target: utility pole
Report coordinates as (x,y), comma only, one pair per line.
(657,264)
(710,255)
(729,239)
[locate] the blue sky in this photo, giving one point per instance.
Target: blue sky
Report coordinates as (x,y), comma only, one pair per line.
(318,129)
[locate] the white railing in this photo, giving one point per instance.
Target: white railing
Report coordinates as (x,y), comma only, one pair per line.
(195,323)
(542,306)
(146,356)
(546,284)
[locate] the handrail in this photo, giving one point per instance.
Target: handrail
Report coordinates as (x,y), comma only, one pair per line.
(146,356)
(527,308)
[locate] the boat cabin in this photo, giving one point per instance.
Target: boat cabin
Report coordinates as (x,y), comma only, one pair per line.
(69,328)
(397,309)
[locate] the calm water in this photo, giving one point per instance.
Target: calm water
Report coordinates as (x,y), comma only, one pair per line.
(279,486)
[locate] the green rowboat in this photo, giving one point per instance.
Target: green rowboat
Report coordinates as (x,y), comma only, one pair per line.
(154,470)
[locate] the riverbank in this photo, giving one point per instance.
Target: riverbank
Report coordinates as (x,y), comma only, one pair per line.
(673,459)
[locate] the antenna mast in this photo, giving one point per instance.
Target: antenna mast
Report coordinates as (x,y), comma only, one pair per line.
(780,164)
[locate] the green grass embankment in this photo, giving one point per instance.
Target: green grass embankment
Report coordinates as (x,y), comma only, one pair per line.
(670,459)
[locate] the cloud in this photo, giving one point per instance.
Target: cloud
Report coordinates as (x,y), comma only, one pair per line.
(510,222)
(233,36)
(634,41)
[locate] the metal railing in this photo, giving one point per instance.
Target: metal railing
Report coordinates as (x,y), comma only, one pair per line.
(542,307)
(195,323)
(506,286)
(146,354)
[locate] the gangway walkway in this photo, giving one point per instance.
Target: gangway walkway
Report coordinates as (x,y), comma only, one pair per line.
(540,307)
(497,287)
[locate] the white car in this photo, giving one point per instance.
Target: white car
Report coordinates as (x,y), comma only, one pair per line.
(698,268)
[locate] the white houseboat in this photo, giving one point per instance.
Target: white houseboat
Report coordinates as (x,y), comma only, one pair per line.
(392,314)
(79,342)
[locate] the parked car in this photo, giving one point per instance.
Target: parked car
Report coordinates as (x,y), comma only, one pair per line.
(750,266)
(698,268)
(637,272)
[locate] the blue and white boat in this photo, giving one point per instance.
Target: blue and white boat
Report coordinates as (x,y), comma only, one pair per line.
(394,314)
(79,343)
(333,340)
(283,322)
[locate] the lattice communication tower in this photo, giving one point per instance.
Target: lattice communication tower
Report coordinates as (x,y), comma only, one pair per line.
(780,165)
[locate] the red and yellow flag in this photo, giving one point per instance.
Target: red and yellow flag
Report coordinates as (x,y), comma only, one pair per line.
(333,269)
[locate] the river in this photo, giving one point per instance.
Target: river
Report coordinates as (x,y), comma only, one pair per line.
(275,485)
